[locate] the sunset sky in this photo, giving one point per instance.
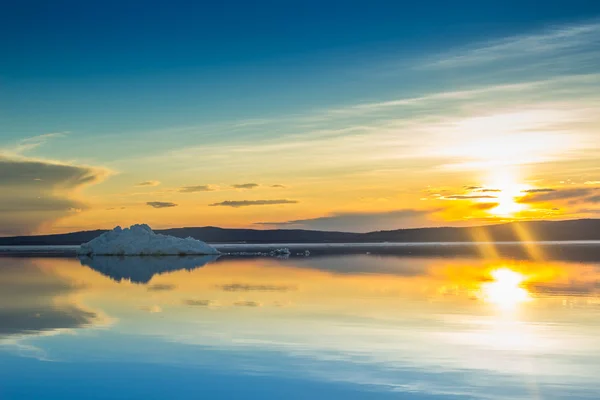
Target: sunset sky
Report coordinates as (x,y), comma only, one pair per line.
(327,115)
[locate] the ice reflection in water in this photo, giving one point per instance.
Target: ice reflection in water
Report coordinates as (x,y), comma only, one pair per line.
(364,326)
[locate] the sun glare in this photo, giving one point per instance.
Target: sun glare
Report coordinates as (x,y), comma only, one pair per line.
(508,190)
(505,290)
(506,203)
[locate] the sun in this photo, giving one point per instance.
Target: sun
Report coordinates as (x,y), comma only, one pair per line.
(508,189)
(507,204)
(505,290)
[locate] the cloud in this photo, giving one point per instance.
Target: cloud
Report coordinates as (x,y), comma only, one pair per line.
(481,189)
(278,186)
(593,199)
(591,183)
(361,221)
(202,303)
(159,287)
(194,189)
(245,186)
(240,287)
(152,309)
(34,142)
(489,190)
(557,194)
(247,203)
(36,193)
(562,41)
(484,206)
(148,183)
(541,190)
(589,211)
(247,304)
(161,204)
(469,197)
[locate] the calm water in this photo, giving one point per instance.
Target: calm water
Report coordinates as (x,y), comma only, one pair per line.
(492,324)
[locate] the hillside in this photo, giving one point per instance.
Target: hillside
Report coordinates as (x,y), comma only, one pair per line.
(584,229)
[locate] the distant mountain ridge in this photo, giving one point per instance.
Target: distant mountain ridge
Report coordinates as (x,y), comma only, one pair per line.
(568,230)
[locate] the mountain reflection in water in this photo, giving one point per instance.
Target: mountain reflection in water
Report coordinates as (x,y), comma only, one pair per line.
(351,325)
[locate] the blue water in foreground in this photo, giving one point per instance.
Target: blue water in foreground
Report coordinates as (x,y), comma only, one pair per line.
(494,323)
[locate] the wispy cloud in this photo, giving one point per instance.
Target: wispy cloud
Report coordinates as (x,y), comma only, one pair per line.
(246,303)
(34,142)
(562,40)
(161,204)
(247,203)
(199,303)
(572,194)
(488,190)
(245,186)
(540,190)
(484,206)
(148,183)
(194,189)
(159,287)
(468,197)
(593,199)
(361,221)
(245,287)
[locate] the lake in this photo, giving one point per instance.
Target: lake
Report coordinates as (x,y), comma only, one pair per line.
(485,321)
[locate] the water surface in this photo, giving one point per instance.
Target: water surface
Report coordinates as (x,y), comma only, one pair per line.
(496,323)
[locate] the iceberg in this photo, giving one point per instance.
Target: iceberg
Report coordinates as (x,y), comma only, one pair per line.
(140,240)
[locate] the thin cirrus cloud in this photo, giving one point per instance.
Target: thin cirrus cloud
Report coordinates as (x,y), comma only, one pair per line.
(247,203)
(512,108)
(148,183)
(245,186)
(488,190)
(564,41)
(247,303)
(593,199)
(469,197)
(573,195)
(246,287)
(194,189)
(161,204)
(201,303)
(361,221)
(539,190)
(34,142)
(484,206)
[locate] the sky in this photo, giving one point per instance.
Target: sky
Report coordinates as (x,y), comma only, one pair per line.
(330,115)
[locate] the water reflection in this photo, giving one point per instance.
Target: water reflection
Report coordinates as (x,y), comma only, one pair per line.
(382,325)
(34,300)
(505,290)
(142,269)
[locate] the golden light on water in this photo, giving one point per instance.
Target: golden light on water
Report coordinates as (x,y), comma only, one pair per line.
(505,291)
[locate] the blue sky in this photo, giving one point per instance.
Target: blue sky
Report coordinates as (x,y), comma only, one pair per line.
(128,90)
(76,64)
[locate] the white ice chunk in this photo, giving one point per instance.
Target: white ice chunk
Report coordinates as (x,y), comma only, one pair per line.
(139,240)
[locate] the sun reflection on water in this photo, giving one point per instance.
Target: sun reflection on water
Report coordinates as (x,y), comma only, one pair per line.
(505,290)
